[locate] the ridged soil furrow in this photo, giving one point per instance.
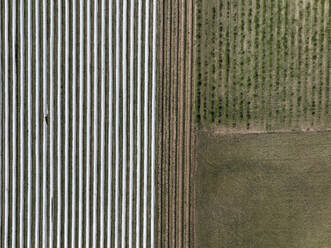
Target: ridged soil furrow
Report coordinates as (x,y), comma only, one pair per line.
(219,80)
(247,60)
(39,121)
(168,96)
(271,55)
(110,148)
(124,121)
(88,96)
(153,124)
(74,167)
(328,66)
(59,82)
(302,53)
(171,126)
(306,60)
(316,58)
(139,83)
(101,125)
(176,83)
(190,235)
(227,64)
(174,133)
(291,85)
(212,68)
(205,63)
(234,62)
(161,128)
(131,124)
(263,62)
(299,44)
(81,126)
(181,120)
(52,122)
(284,68)
(14,126)
(287,48)
(95,148)
(198,64)
(45,125)
(241,77)
(256,74)
(25,152)
(187,94)
(310,16)
(322,65)
(6,165)
(278,61)
(113,120)
(29,125)
(146,123)
(320,57)
(168,123)
(66,129)
(1,122)
(190,94)
(117,127)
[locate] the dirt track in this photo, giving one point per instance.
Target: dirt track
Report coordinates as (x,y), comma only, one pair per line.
(175,127)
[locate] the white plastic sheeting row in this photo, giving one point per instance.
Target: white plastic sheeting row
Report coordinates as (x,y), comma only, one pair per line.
(77,129)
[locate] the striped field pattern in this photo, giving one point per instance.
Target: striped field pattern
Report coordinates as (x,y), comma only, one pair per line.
(77,123)
(176,131)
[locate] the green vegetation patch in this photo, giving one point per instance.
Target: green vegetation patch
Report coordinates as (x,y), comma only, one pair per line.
(263,64)
(266,190)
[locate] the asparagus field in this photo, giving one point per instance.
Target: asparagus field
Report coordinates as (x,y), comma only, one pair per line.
(263,64)
(78,123)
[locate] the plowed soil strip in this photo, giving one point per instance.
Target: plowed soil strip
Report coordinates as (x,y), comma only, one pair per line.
(175,123)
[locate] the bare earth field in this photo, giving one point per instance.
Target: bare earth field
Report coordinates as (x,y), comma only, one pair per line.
(263,190)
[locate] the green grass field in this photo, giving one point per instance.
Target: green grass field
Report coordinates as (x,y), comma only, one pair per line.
(264,190)
(263,64)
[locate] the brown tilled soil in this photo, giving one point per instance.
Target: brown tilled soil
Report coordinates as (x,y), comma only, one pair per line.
(175,124)
(263,190)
